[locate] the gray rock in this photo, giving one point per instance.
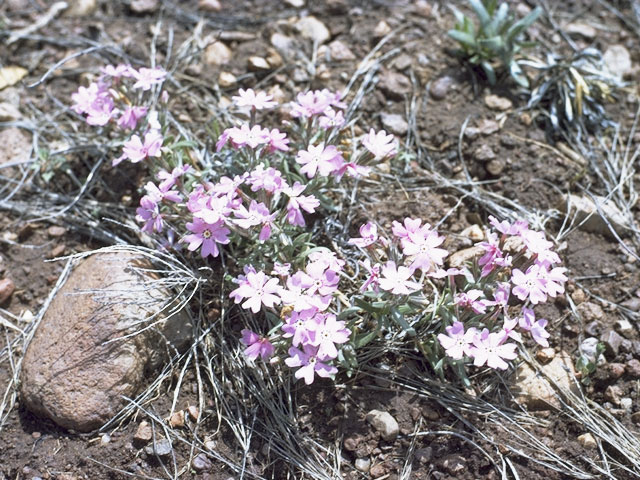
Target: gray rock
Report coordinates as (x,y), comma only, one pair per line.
(581,29)
(584,207)
(285,45)
(612,341)
(313,29)
(590,312)
(494,102)
(9,112)
(162,448)
(612,394)
(632,304)
(488,127)
(423,455)
(461,257)
(144,6)
(626,403)
(362,464)
(16,146)
(384,423)
(394,123)
(340,52)
(403,61)
(495,167)
(217,54)
(201,463)
(632,368)
(440,87)
(81,8)
(588,348)
(587,440)
(484,153)
(535,391)
(78,367)
(394,85)
(624,327)
(618,60)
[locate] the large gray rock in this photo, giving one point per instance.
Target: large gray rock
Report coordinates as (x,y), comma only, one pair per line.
(77,367)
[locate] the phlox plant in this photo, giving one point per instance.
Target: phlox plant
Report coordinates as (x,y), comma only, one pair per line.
(316,311)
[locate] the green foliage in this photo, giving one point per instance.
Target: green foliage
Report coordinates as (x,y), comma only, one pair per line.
(587,366)
(495,41)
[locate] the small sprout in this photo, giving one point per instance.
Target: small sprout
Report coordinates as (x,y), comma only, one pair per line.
(494,43)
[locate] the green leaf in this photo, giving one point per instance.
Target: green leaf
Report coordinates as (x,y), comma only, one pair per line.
(402,322)
(481,12)
(498,20)
(522,24)
(459,16)
(183,144)
(463,38)
(494,43)
(362,340)
(489,72)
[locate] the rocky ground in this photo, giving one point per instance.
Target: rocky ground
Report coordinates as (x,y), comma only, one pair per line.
(472,151)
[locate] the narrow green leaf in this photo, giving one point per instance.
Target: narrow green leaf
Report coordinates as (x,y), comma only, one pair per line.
(481,12)
(522,24)
(464,38)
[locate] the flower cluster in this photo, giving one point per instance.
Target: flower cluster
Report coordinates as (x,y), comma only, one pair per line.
(477,304)
(109,101)
(309,333)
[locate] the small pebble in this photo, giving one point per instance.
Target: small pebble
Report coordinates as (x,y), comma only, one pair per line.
(56,231)
(632,368)
(161,448)
(587,440)
(545,355)
(7,287)
(494,102)
(362,464)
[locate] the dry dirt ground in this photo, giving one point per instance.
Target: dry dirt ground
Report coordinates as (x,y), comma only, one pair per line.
(527,170)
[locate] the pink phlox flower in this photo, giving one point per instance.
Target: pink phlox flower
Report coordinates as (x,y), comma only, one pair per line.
(352,169)
(299,325)
(153,122)
(197,199)
(258,289)
(529,285)
(129,118)
(250,136)
(410,226)
(537,328)
(250,99)
(257,346)
(159,195)
(310,362)
(117,71)
(298,202)
(313,103)
(489,348)
(136,150)
(422,245)
(442,273)
(149,213)
(471,300)
(85,96)
(101,110)
(493,257)
(257,214)
(334,99)
(268,179)
(506,228)
(148,77)
(321,159)
(281,269)
(331,119)
(326,331)
(373,279)
(457,343)
(327,258)
(277,141)
(537,243)
(293,294)
(207,235)
(223,138)
(170,179)
(501,296)
(508,329)
(380,144)
(216,209)
(396,279)
(553,278)
(323,281)
(368,235)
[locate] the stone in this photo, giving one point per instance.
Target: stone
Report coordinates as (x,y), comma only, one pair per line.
(612,394)
(586,207)
(394,123)
(624,327)
(9,112)
(378,470)
(484,153)
(78,368)
(257,64)
(362,464)
(632,304)
(313,29)
(454,464)
(395,85)
(588,348)
(381,29)
(587,440)
(488,127)
(422,8)
(615,370)
(626,403)
(635,418)
(384,423)
(285,45)
(473,232)
(590,312)
(209,5)
(632,368)
(295,3)
(55,231)
(144,6)
(217,54)
(227,79)
(495,167)
(545,355)
(273,58)
(494,102)
(461,257)
(193,412)
(618,60)
(423,455)
(535,391)
(582,29)
(81,8)
(143,435)
(16,146)
(176,420)
(403,61)
(440,87)
(161,448)
(340,52)
(7,287)
(201,463)
(612,341)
